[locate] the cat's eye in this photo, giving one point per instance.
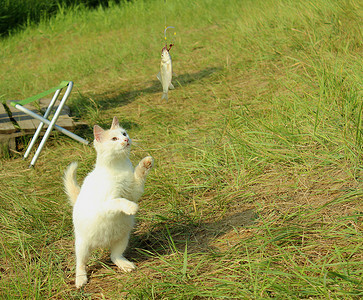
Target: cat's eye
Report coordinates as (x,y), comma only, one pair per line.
(124,134)
(115,138)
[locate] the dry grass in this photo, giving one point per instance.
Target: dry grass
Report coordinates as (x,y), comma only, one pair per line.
(257,187)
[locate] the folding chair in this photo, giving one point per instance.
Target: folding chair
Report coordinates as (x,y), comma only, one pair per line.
(44,119)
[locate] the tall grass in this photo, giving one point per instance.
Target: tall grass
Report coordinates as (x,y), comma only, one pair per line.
(17,14)
(257,187)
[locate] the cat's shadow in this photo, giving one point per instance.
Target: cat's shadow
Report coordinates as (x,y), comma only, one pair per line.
(169,236)
(173,235)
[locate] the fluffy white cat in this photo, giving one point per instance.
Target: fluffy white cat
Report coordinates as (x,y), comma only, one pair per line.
(105,206)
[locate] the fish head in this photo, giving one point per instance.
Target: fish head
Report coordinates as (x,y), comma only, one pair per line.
(164,53)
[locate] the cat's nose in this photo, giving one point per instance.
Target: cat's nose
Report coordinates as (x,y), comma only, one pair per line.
(126,140)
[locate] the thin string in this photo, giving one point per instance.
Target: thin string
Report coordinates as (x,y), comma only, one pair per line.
(165,22)
(166,27)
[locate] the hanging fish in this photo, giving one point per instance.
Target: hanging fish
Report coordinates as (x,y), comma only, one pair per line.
(166,71)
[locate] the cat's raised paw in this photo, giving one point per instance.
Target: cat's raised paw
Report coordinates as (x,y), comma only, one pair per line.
(148,162)
(144,166)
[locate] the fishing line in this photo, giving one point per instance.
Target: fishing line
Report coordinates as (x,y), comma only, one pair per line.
(165,11)
(166,27)
(165,20)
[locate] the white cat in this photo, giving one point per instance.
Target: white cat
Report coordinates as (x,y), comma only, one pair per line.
(105,205)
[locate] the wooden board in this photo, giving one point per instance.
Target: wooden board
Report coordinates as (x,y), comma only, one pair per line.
(8,140)
(27,124)
(6,126)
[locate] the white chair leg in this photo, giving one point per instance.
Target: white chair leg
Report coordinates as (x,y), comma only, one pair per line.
(41,124)
(52,124)
(61,129)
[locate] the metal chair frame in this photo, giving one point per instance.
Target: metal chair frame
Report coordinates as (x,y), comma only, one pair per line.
(44,119)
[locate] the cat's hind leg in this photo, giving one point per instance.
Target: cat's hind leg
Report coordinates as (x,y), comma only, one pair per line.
(82,255)
(117,257)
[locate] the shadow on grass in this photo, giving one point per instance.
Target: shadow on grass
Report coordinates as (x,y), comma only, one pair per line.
(172,235)
(104,101)
(90,104)
(154,86)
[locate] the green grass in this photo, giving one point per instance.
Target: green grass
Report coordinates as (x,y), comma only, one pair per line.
(257,188)
(15,15)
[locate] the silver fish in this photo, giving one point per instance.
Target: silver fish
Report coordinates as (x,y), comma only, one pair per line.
(166,72)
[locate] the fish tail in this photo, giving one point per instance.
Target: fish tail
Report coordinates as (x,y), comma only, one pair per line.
(165,96)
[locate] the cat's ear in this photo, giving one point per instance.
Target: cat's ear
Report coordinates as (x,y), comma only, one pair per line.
(97,132)
(115,123)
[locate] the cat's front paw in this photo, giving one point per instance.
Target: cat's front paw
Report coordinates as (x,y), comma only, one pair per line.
(147,162)
(144,167)
(131,208)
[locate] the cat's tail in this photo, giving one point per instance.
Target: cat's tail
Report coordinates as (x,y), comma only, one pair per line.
(70,183)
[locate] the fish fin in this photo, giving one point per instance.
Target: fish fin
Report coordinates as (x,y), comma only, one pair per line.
(165,96)
(159,76)
(171,87)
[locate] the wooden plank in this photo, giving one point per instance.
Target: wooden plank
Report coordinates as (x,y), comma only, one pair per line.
(9,139)
(64,120)
(28,124)
(6,126)
(44,103)
(25,122)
